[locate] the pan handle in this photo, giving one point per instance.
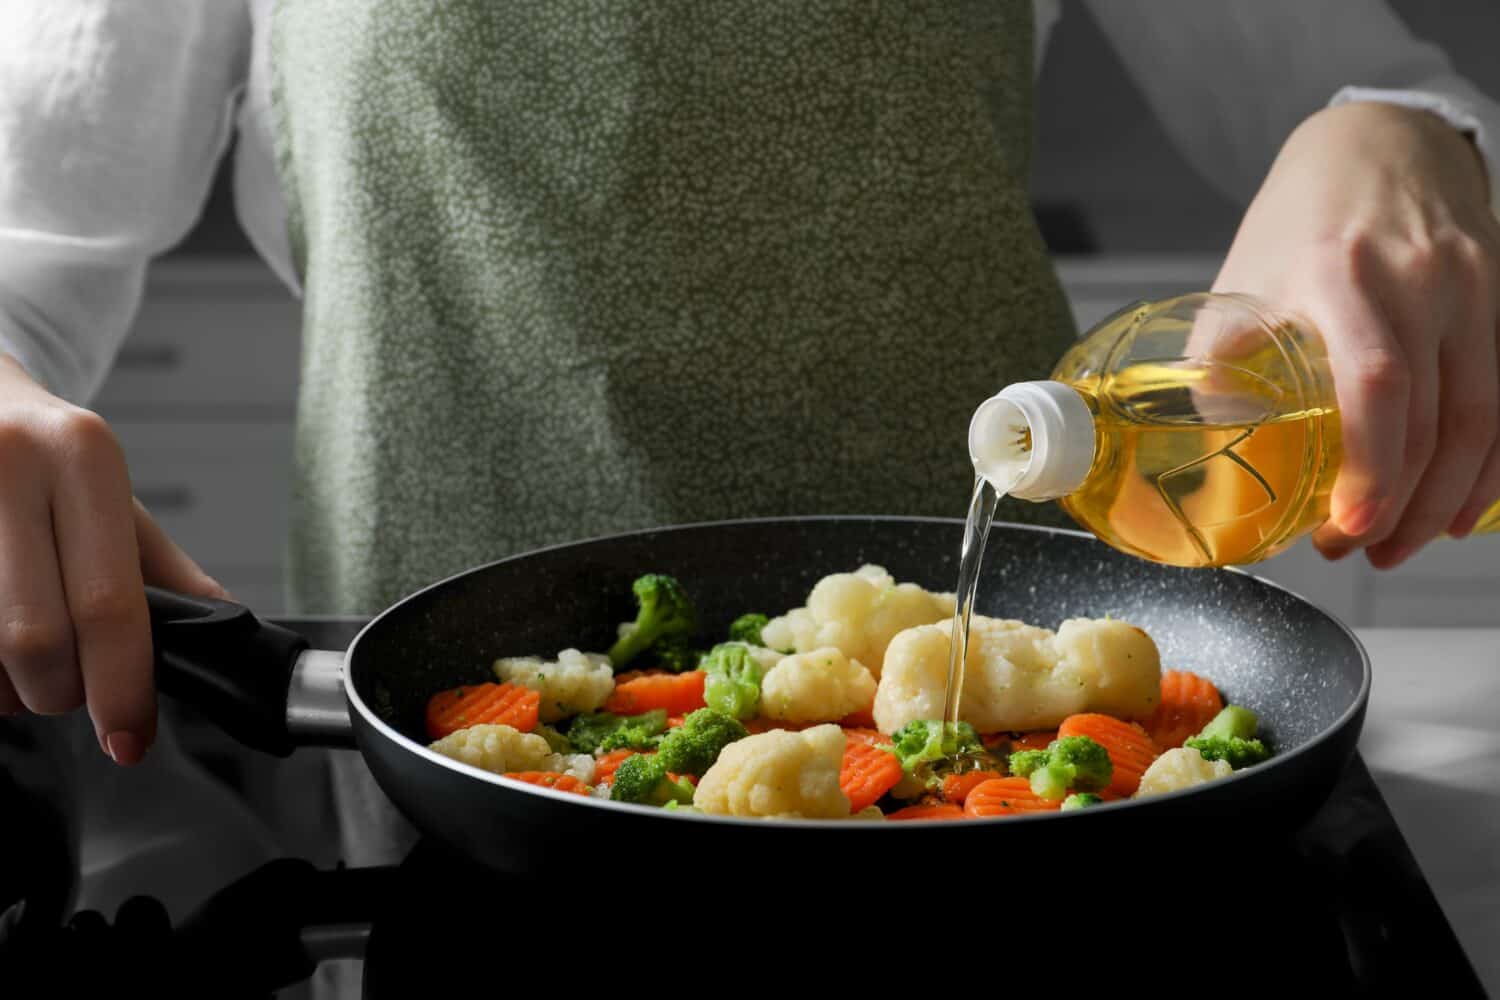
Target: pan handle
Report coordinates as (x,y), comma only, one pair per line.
(257,681)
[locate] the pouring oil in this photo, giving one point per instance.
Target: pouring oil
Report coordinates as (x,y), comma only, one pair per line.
(982,505)
(1199,431)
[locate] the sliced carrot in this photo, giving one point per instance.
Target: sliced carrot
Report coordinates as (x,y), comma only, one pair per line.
(678,694)
(863,719)
(867,773)
(1188,703)
(549,779)
(870,735)
(942,810)
(1036,740)
(956,787)
(631,675)
(476,704)
(1005,797)
(1130,748)
(673,721)
(605,766)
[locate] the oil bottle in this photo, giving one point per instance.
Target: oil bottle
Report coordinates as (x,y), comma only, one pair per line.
(1197,431)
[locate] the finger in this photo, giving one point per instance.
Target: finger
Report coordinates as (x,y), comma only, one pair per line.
(36,639)
(1373,385)
(93,518)
(1482,509)
(1467,414)
(164,564)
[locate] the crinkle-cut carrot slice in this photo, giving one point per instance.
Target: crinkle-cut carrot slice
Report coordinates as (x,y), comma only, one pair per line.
(1005,797)
(678,694)
(605,766)
(863,719)
(476,704)
(956,787)
(550,779)
(941,810)
(1188,703)
(867,734)
(867,773)
(1130,748)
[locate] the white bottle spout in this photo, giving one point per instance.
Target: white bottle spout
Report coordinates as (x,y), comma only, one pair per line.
(1033,440)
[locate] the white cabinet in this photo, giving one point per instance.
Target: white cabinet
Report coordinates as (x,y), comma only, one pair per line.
(202,398)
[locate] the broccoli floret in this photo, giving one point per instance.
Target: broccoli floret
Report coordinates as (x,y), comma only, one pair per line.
(1238,751)
(675,653)
(746,628)
(1231,736)
(733,682)
(663,612)
(925,742)
(1072,762)
(1024,762)
(556,740)
(1082,800)
(603,731)
(643,779)
(693,747)
(1231,722)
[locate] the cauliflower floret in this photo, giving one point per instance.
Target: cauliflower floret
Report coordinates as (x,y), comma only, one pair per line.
(778,774)
(503,749)
(821,686)
(1181,767)
(496,748)
(1018,677)
(859,613)
(575,682)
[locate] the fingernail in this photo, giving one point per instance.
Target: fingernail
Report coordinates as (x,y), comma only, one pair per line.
(126,749)
(1361,518)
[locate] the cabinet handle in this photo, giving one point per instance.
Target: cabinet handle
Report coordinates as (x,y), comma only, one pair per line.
(149,357)
(165,499)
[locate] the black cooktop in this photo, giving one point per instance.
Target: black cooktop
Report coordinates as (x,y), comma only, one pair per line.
(1340,909)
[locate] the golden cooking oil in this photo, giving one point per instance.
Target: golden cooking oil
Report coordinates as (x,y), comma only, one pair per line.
(1199,431)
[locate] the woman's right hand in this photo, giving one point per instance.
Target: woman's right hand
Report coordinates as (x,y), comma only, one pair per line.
(76,551)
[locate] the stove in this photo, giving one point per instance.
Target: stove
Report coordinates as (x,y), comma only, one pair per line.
(1341,908)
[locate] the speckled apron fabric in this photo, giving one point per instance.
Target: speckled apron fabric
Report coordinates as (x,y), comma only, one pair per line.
(581,266)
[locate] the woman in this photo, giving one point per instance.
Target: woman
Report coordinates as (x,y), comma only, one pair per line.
(572,268)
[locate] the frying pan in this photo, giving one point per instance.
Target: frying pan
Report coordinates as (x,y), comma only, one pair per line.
(1302,670)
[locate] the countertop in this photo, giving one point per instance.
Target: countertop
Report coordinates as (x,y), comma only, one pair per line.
(1432,741)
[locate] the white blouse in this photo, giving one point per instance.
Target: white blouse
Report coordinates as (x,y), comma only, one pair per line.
(114,115)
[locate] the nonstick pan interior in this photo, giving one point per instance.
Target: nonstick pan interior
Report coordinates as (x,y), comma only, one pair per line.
(1266,648)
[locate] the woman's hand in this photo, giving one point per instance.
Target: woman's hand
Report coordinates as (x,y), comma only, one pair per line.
(75,553)
(1375,224)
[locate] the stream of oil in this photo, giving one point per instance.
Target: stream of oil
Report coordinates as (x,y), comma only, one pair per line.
(976,529)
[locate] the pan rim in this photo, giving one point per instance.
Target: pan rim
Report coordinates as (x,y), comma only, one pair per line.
(1257,772)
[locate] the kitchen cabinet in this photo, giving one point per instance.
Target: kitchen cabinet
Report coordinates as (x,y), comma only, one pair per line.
(204,390)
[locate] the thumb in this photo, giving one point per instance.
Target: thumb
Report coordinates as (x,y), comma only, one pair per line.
(165,565)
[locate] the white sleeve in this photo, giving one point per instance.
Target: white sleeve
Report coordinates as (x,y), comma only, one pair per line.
(1231,79)
(113,117)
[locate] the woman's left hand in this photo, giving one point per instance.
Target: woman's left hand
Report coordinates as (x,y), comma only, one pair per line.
(1375,224)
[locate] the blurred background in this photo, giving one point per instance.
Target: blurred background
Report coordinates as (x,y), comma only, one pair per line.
(1125,216)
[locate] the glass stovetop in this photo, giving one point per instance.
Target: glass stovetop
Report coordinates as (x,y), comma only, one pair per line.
(1340,909)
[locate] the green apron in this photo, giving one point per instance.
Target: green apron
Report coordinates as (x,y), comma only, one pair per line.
(574,267)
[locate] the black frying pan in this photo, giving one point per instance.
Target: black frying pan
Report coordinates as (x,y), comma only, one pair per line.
(1303,671)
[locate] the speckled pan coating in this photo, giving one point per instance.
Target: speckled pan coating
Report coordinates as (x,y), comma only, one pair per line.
(1266,648)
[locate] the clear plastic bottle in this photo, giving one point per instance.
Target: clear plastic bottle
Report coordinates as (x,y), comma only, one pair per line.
(1196,431)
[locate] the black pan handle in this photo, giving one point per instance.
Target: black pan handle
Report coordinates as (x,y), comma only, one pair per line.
(227,664)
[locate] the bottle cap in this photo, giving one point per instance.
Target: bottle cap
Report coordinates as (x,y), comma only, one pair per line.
(1034,440)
